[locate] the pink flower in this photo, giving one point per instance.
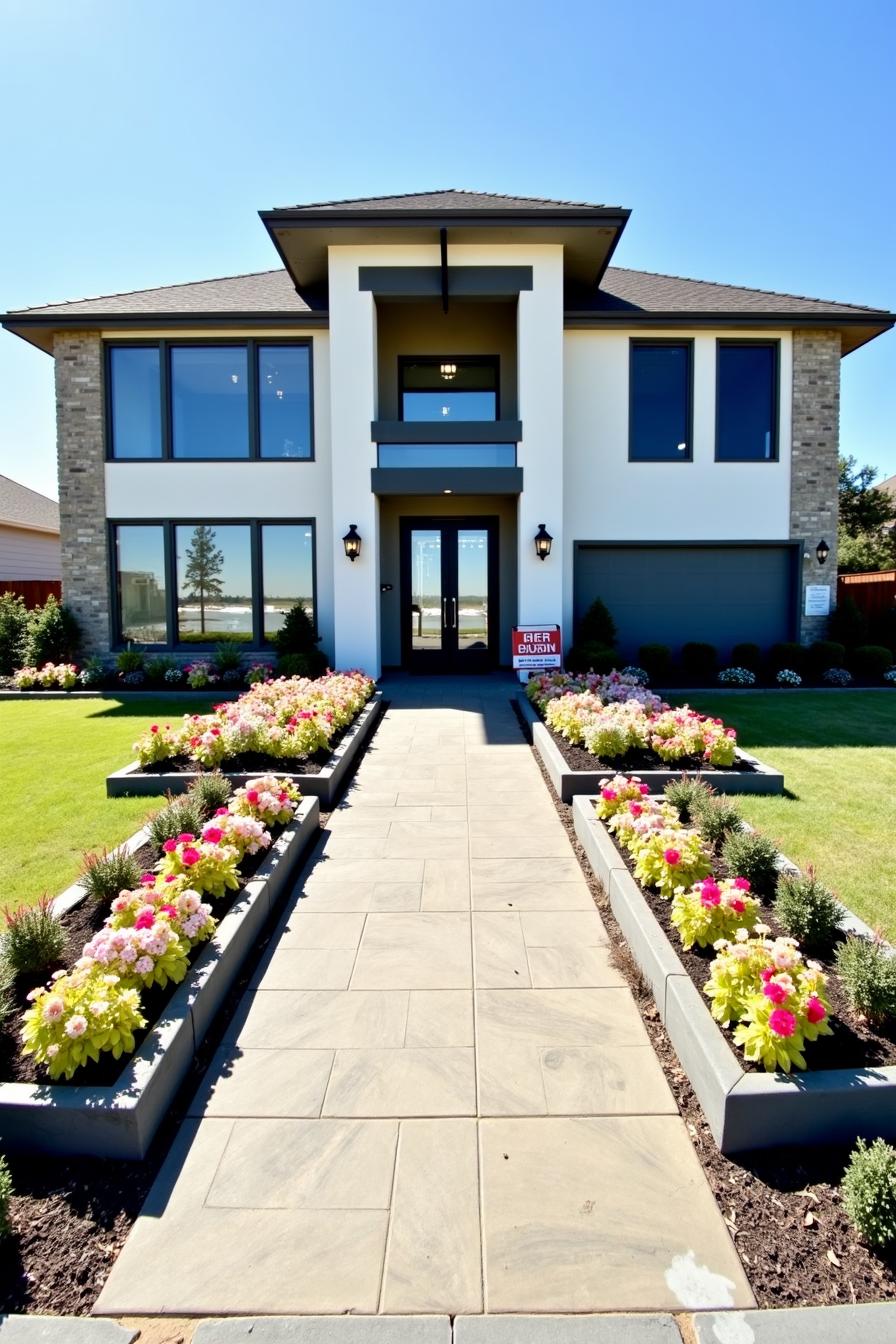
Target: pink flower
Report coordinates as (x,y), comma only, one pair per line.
(147,879)
(170,846)
(672,857)
(608,795)
(710,893)
(777,993)
(76,1026)
(168,910)
(737,905)
(144,920)
(782,1022)
(143,965)
(221,812)
(190,856)
(185,837)
(154,728)
(170,877)
(766,974)
(815,1009)
(645,788)
(251,795)
(213,834)
(742,883)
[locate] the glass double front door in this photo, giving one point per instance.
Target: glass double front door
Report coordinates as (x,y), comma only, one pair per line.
(449,594)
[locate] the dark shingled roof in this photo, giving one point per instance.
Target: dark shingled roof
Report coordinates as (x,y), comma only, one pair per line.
(21,507)
(451,198)
(621,290)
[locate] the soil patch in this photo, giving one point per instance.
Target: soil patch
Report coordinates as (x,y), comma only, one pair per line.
(790,1259)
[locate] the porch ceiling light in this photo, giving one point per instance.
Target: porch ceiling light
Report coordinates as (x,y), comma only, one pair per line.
(352,542)
(543,541)
(822,551)
(448,371)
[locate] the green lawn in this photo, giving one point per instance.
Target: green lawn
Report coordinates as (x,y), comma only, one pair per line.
(838,755)
(55,756)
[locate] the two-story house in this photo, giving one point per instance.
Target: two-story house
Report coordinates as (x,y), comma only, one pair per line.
(390,424)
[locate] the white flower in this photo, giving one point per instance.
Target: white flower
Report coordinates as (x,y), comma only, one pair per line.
(76,1026)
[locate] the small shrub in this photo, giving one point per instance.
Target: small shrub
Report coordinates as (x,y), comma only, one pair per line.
(53,635)
(298,635)
(13,632)
(597,626)
(130,660)
(747,655)
(656,659)
(6,1194)
(209,792)
(824,653)
(787,677)
(787,655)
(809,912)
(106,874)
(737,676)
(174,676)
(837,676)
(92,674)
(227,658)
(311,664)
(200,674)
(699,661)
(847,624)
(871,661)
(869,1192)
(133,680)
(158,667)
(34,938)
(8,1003)
(868,972)
(754,857)
(180,817)
(688,795)
(716,819)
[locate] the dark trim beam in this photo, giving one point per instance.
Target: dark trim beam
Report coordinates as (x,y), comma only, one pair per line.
(437,431)
(446,480)
(464,282)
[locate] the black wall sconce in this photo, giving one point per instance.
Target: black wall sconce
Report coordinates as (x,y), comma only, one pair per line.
(822,551)
(543,541)
(352,542)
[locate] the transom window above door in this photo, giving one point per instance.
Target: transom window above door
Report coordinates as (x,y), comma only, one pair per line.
(448,388)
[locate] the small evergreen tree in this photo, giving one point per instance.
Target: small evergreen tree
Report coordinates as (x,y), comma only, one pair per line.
(204,564)
(13,630)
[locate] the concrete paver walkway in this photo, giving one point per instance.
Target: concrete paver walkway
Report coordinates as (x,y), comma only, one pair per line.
(438,1096)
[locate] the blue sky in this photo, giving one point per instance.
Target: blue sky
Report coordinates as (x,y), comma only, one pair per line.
(754,145)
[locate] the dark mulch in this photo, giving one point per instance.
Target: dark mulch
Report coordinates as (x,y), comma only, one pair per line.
(791,1259)
(577,758)
(80,925)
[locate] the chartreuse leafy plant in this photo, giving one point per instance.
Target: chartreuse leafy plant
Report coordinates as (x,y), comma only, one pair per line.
(208,866)
(267,799)
(712,910)
(81,1015)
(869,1192)
(670,859)
(618,792)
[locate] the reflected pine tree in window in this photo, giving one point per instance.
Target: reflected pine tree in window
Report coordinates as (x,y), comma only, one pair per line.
(205,561)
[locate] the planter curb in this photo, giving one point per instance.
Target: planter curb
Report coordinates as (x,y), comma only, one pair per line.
(569,783)
(131,782)
(120,1120)
(744,1111)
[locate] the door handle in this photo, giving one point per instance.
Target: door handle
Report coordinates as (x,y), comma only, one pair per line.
(444,613)
(454,613)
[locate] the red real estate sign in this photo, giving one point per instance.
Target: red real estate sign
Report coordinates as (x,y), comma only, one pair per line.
(536,647)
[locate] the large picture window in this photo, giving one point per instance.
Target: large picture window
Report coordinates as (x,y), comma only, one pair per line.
(449,388)
(660,401)
(212,401)
(747,401)
(204,583)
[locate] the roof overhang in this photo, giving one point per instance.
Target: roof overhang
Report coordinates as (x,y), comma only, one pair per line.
(855,330)
(17,525)
(302,236)
(38,329)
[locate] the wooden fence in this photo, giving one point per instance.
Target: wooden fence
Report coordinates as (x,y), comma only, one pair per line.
(873,594)
(34,591)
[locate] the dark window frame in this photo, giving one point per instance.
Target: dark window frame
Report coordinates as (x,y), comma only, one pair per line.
(641,342)
(258,643)
(773,343)
(164,345)
(481,361)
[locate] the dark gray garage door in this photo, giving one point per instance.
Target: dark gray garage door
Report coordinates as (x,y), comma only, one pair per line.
(664,594)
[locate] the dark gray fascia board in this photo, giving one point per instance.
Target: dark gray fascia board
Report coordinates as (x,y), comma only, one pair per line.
(587,317)
(417,282)
(314,317)
(436,431)
(298,219)
(446,480)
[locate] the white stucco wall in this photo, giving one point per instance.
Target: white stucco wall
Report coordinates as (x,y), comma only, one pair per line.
(27,554)
(608,498)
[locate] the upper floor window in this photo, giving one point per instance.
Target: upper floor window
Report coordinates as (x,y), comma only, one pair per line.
(747,401)
(214,401)
(448,388)
(660,401)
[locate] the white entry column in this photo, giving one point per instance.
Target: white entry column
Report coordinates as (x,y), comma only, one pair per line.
(540,454)
(353,397)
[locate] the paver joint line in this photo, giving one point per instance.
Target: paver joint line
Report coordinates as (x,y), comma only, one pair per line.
(452,1108)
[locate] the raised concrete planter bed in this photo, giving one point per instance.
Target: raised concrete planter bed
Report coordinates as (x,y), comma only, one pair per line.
(569,783)
(133,782)
(159,693)
(120,1120)
(744,1110)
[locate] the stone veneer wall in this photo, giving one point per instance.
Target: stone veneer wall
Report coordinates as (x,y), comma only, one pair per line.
(82,485)
(813,471)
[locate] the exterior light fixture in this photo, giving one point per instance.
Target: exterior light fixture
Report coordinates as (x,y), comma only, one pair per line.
(822,551)
(352,542)
(448,371)
(543,541)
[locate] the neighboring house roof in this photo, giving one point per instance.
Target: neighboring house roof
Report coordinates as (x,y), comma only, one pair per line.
(21,507)
(622,291)
(450,198)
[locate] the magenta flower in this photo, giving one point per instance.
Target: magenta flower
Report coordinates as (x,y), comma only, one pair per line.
(190,856)
(213,834)
(221,812)
(672,857)
(148,880)
(782,1022)
(153,727)
(737,905)
(185,837)
(742,883)
(170,846)
(608,795)
(251,795)
(645,789)
(710,893)
(772,990)
(815,1009)
(145,920)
